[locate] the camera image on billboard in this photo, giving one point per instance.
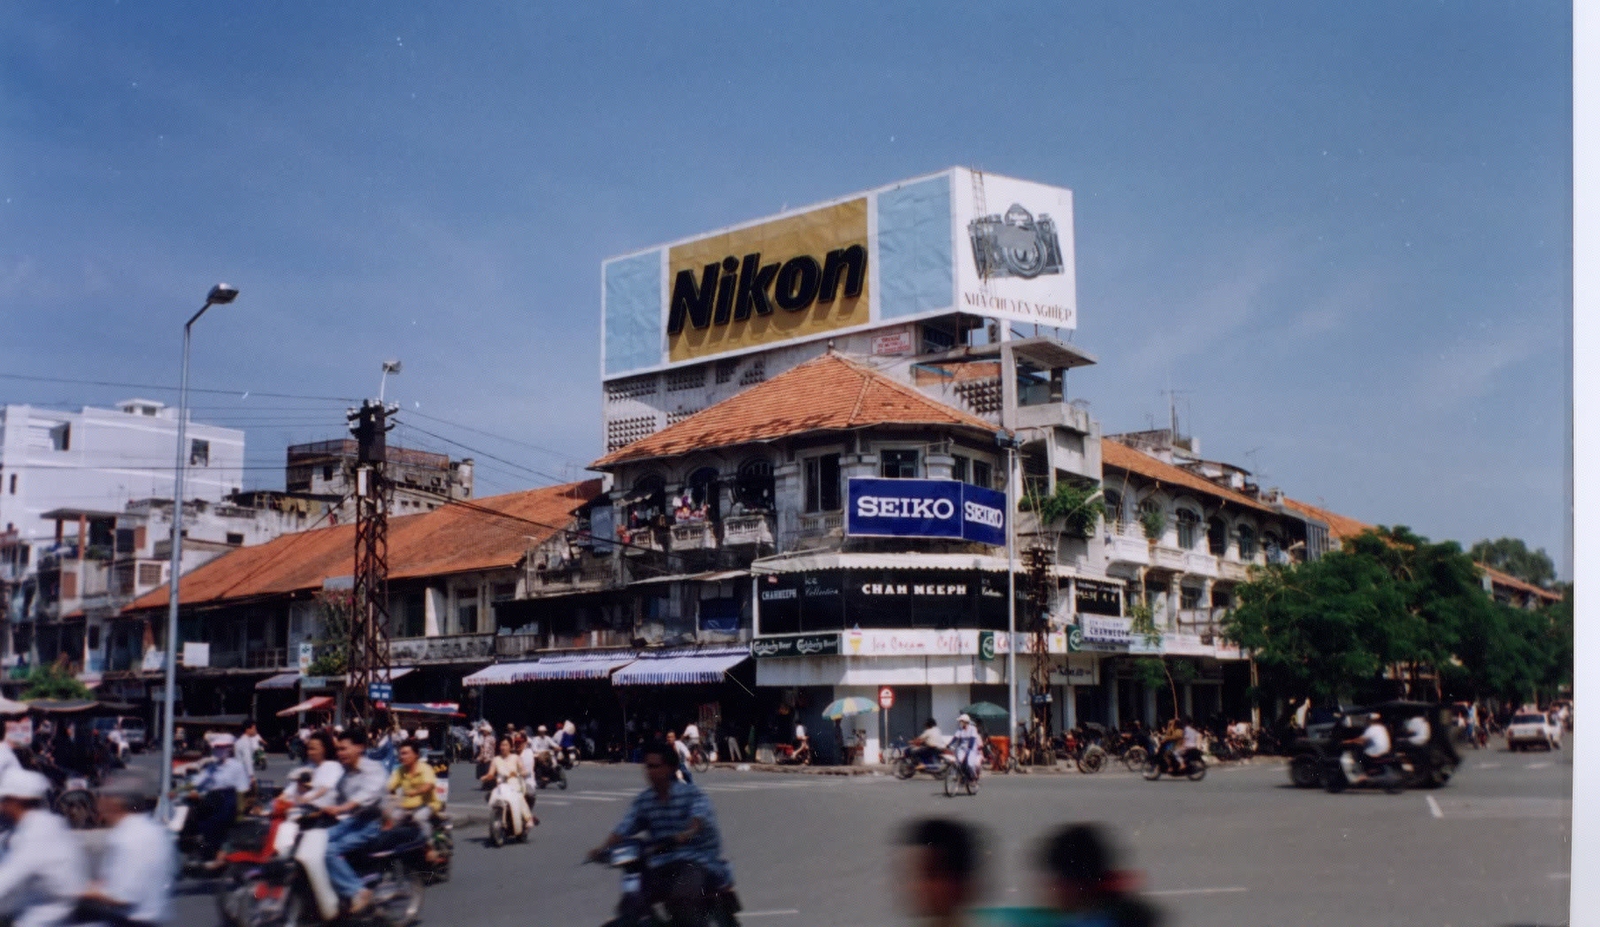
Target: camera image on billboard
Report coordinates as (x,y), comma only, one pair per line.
(1015,245)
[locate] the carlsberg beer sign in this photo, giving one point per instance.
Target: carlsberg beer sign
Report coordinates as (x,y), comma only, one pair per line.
(926,509)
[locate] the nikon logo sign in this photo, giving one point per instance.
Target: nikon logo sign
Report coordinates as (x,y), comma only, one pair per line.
(788,278)
(734,290)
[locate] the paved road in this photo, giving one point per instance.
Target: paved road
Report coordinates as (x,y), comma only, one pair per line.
(1241,847)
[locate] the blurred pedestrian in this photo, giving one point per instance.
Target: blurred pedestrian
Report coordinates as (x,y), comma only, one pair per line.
(43,871)
(1083,885)
(941,875)
(134,878)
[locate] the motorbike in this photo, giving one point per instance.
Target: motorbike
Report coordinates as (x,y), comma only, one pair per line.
(292,887)
(1388,773)
(568,757)
(551,774)
(1193,768)
(638,909)
(910,764)
(1085,753)
(788,755)
(502,823)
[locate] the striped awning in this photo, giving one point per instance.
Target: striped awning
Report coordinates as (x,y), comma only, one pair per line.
(280,681)
(679,669)
(552,668)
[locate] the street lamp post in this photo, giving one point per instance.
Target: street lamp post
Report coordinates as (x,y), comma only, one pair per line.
(220,295)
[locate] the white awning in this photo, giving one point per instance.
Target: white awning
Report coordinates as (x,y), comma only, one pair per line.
(280,681)
(559,667)
(679,669)
(715,577)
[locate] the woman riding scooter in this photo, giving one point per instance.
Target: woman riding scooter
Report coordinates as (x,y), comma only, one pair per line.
(507,800)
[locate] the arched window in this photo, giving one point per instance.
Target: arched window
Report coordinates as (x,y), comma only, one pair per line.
(1272,546)
(1113,504)
(649,499)
(754,490)
(1188,529)
(1217,536)
(1247,542)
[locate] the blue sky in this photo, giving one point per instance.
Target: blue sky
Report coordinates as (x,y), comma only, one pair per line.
(1340,231)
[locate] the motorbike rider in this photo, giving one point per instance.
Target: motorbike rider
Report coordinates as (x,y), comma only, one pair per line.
(1167,740)
(966,744)
(1374,741)
(220,787)
(528,763)
(507,767)
(43,871)
(544,748)
(133,881)
(680,816)
(929,745)
(359,808)
(1190,740)
(414,784)
(681,749)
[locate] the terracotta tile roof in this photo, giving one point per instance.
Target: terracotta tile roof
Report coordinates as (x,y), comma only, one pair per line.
(1506,579)
(1340,527)
(827,393)
(1121,456)
(453,538)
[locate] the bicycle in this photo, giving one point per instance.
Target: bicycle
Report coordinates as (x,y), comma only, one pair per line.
(958,776)
(699,759)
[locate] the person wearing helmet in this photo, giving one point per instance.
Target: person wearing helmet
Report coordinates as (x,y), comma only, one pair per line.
(544,749)
(220,787)
(966,745)
(44,871)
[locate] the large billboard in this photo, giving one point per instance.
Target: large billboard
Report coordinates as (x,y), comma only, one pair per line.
(958,240)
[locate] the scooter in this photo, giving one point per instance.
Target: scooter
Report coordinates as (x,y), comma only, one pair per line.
(1193,768)
(568,756)
(1387,774)
(789,755)
(292,887)
(638,909)
(502,823)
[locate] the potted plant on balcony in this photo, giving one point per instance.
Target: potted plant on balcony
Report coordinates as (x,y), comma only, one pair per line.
(1154,522)
(1078,507)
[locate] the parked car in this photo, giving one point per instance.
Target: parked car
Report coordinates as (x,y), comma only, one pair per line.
(1532,729)
(1314,756)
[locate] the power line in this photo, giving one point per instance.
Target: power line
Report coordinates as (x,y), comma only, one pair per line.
(489,434)
(511,463)
(172,389)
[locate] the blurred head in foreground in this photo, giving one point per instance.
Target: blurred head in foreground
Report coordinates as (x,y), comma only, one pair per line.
(1081,877)
(941,868)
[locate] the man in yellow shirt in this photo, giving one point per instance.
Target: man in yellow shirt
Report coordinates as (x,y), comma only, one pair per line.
(413,782)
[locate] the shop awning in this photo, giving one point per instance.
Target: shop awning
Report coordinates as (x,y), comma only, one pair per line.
(431,709)
(395,672)
(692,577)
(679,669)
(552,668)
(280,681)
(319,703)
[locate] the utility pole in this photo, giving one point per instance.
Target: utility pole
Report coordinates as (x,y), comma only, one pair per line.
(1040,581)
(369,613)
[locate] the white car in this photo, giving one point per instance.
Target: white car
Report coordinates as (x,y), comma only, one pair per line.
(1531,729)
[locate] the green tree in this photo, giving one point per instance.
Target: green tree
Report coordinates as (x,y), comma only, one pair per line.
(1511,555)
(332,654)
(1158,671)
(52,680)
(1077,506)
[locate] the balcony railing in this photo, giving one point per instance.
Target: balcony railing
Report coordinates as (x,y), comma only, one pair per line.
(517,645)
(584,573)
(694,536)
(579,640)
(443,649)
(818,523)
(742,530)
(1128,545)
(1168,558)
(1234,571)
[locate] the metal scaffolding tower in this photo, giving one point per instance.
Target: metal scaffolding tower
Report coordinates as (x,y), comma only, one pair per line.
(369,614)
(1040,586)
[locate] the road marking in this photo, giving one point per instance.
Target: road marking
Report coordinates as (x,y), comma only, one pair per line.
(1559,876)
(554,801)
(1433,807)
(1201,891)
(781,913)
(1488,766)
(594,798)
(1536,765)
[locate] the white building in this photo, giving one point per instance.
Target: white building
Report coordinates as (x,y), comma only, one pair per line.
(101,460)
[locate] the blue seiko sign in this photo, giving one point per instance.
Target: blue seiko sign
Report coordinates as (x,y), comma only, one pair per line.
(926,509)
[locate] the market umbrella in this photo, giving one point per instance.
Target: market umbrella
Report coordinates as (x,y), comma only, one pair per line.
(9,707)
(988,711)
(845,707)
